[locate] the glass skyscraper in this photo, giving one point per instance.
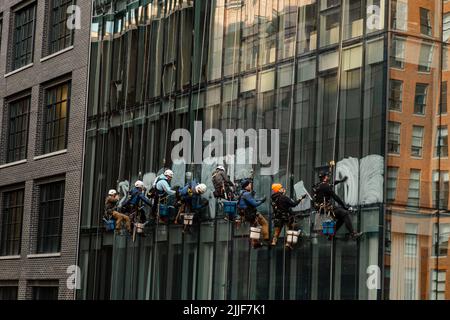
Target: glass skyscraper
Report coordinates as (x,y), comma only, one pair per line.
(360,82)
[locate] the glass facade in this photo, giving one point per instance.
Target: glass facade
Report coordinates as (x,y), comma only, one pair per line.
(340,80)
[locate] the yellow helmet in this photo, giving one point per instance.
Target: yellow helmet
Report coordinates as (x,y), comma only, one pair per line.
(276,187)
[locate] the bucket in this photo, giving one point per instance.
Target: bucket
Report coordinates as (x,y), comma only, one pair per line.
(110,224)
(229,208)
(188,219)
(255,233)
(139,227)
(328,227)
(292,236)
(163,210)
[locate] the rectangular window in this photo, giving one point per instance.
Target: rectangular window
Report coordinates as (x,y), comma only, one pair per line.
(446,27)
(353,18)
(441,147)
(444,97)
(394,137)
(438,282)
(60,36)
(440,239)
(400,15)
(425,57)
(51,206)
(8,292)
(410,284)
(420,100)
(396,94)
(398,53)
(417,141)
(388,244)
(17,129)
(56,112)
(414,188)
(411,240)
(425,22)
(45,293)
(440,189)
(329,27)
(23,45)
(392,174)
(11,222)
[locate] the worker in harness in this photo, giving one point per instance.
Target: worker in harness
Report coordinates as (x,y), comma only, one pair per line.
(247,205)
(323,196)
(223,186)
(190,201)
(160,192)
(112,211)
(135,201)
(282,205)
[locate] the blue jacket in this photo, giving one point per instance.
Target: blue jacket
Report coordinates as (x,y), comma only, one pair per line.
(163,186)
(247,200)
(136,196)
(188,195)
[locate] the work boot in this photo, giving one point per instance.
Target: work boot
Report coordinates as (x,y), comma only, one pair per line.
(274,241)
(356,235)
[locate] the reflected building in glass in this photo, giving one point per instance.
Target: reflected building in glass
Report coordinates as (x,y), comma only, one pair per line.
(360,82)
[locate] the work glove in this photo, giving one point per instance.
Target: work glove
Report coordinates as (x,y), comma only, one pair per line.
(344,179)
(263,199)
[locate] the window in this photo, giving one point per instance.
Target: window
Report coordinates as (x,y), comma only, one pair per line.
(24,24)
(394,137)
(11,222)
(441,147)
(443,102)
(398,53)
(440,188)
(392,174)
(438,281)
(388,240)
(399,15)
(425,57)
(329,27)
(51,206)
(440,239)
(446,27)
(396,93)
(410,240)
(410,284)
(55,118)
(8,292)
(425,22)
(417,141)
(353,19)
(18,129)
(414,188)
(45,293)
(420,100)
(60,36)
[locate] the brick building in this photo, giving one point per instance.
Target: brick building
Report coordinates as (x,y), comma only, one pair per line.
(43,70)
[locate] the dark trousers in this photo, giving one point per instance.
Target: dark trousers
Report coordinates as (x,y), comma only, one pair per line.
(343,217)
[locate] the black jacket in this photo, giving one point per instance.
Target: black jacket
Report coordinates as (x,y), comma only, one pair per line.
(323,191)
(282,205)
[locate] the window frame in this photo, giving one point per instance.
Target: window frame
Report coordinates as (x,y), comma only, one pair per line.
(52,11)
(24,118)
(12,221)
(16,63)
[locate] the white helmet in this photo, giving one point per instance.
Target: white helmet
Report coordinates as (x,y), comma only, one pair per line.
(220,168)
(168,173)
(139,184)
(112,192)
(201,188)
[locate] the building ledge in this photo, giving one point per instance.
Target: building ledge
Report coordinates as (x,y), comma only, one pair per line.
(56,54)
(44,255)
(18,70)
(10,257)
(51,154)
(11,164)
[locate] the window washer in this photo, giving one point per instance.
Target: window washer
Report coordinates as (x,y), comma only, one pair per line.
(282,206)
(136,199)
(111,211)
(247,205)
(223,186)
(323,195)
(162,191)
(191,201)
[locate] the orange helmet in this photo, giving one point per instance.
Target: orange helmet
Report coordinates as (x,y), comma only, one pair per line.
(276,187)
